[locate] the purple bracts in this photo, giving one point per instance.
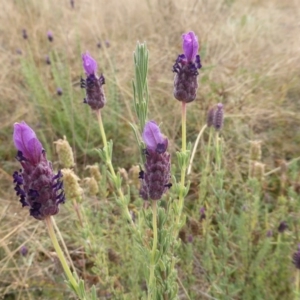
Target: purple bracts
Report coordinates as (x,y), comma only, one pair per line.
(36,184)
(155,178)
(95,97)
(186,69)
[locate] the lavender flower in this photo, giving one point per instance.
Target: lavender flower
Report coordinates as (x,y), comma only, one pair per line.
(155,178)
(23,250)
(202,213)
(95,97)
(59,91)
(186,68)
(36,184)
(72,2)
(24,34)
(48,61)
(296,258)
(283,226)
(215,116)
(50,36)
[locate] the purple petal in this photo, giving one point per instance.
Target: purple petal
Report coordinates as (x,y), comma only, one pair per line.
(26,141)
(153,137)
(190,45)
(89,64)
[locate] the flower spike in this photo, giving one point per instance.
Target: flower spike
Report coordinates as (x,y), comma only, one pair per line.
(155,178)
(186,68)
(93,84)
(36,184)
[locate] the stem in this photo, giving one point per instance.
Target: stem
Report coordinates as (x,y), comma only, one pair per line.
(154,246)
(194,149)
(111,168)
(63,244)
(183,150)
(297,285)
(60,254)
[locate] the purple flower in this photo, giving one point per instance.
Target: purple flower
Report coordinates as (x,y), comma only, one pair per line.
(186,68)
(155,178)
(283,226)
(26,142)
(24,34)
(23,250)
(202,213)
(89,64)
(190,46)
(215,116)
(93,85)
(153,138)
(48,61)
(59,91)
(50,36)
(36,184)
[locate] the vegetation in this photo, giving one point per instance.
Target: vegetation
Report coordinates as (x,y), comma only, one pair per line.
(236,232)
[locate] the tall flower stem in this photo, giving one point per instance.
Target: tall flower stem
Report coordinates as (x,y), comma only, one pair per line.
(154,247)
(297,284)
(111,168)
(60,254)
(183,150)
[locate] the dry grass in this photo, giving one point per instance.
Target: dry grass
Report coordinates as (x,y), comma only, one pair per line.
(250,56)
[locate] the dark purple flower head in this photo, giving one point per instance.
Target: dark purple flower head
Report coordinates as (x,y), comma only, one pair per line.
(59,91)
(48,61)
(50,36)
(215,116)
(89,64)
(93,85)
(202,213)
(186,68)
(36,184)
(190,46)
(296,258)
(153,138)
(24,34)
(155,178)
(23,250)
(283,226)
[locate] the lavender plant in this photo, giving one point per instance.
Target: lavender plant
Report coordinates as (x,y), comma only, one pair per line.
(42,191)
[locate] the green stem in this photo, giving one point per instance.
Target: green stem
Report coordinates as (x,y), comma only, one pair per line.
(183,150)
(111,168)
(60,253)
(154,247)
(297,285)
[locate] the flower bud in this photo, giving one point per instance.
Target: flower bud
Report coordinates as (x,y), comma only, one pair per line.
(94,172)
(72,189)
(65,153)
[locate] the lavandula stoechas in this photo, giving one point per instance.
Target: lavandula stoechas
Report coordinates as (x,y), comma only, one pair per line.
(95,97)
(215,116)
(186,69)
(36,184)
(155,178)
(50,36)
